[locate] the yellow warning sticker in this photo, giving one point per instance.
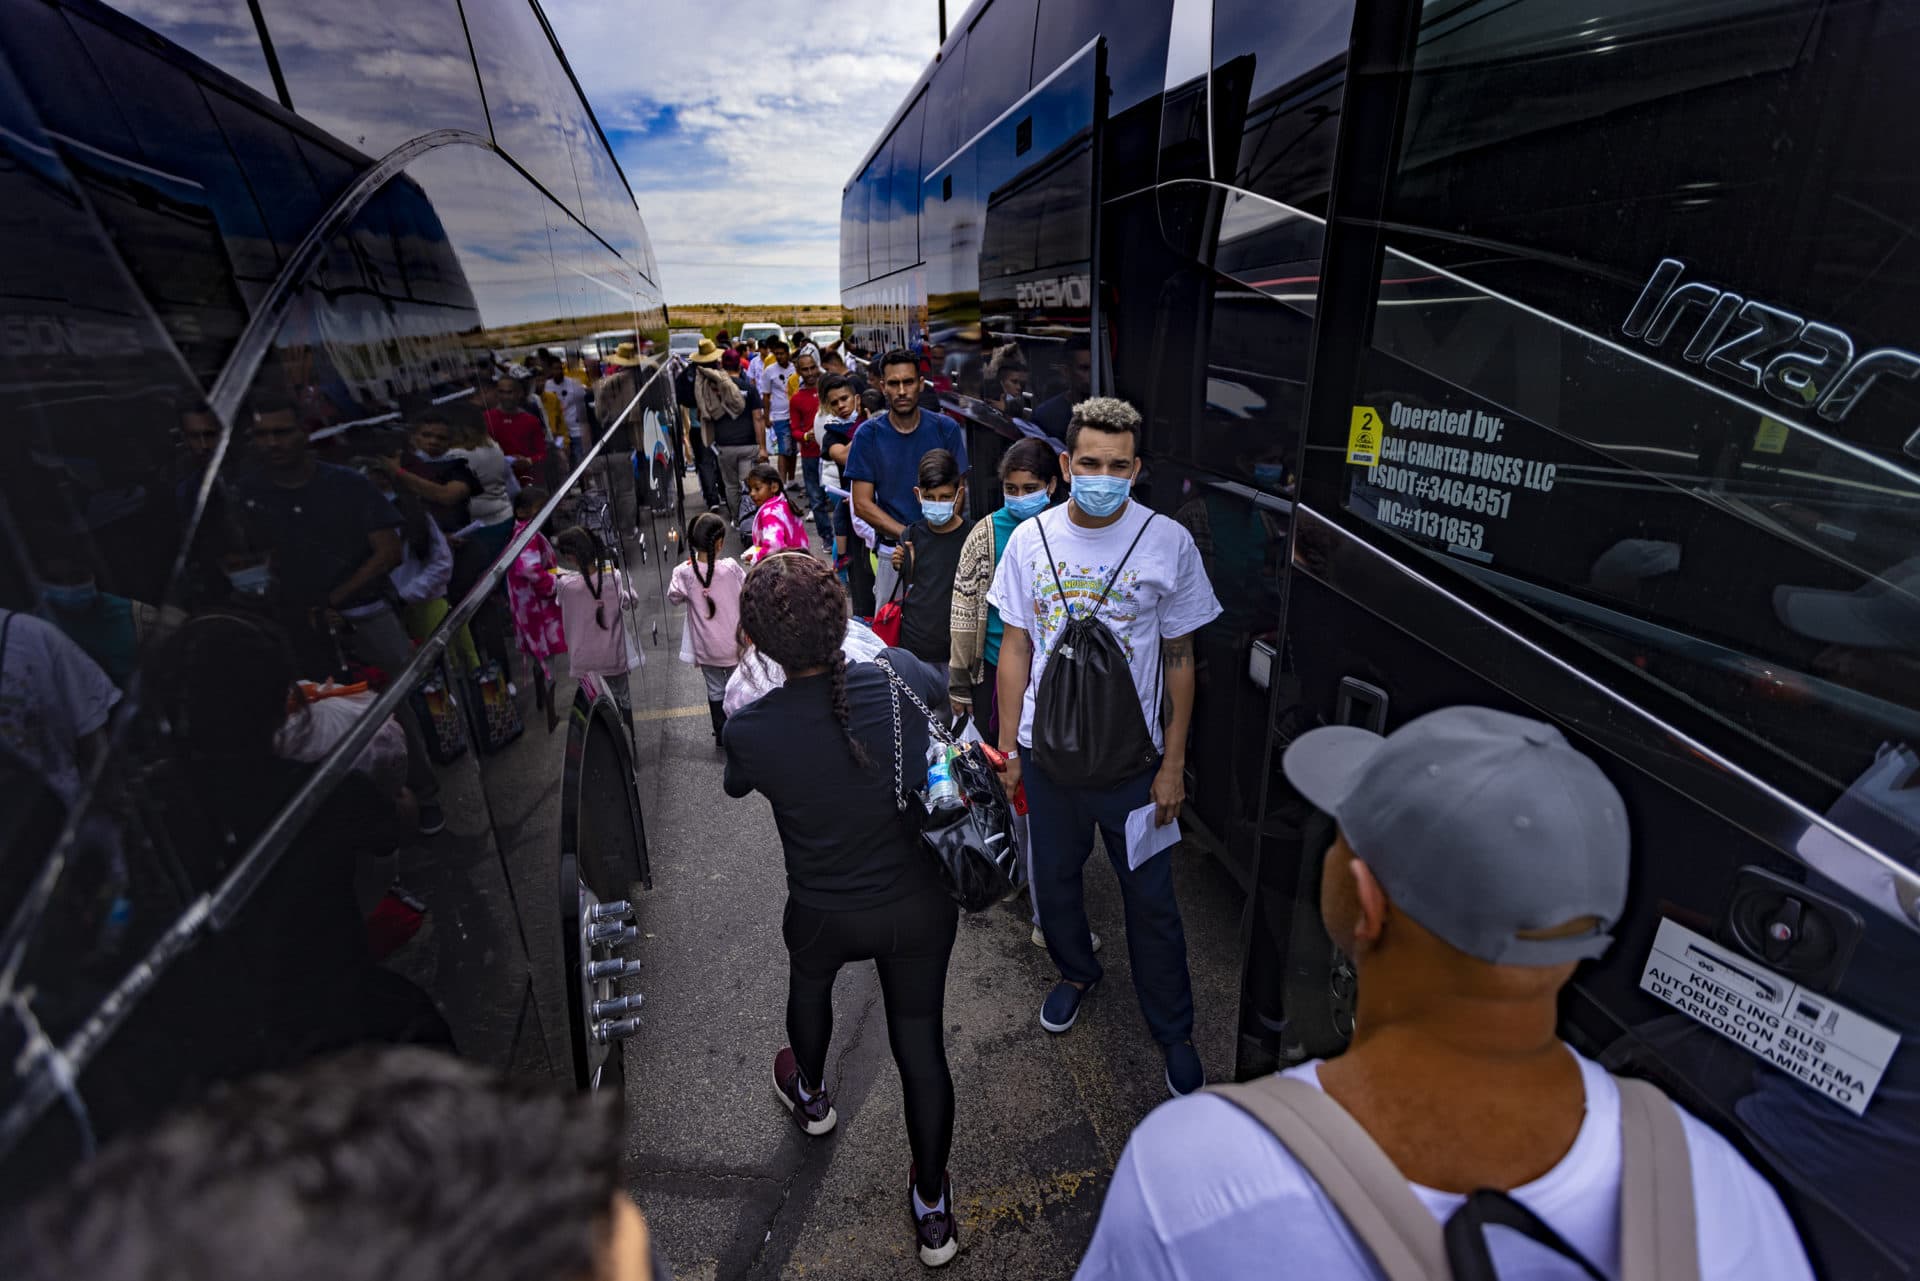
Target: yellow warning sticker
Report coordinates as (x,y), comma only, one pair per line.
(1363,437)
(1771,438)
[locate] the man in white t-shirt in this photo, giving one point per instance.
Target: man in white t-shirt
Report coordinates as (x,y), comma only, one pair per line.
(775,383)
(1156,596)
(573,396)
(1479,859)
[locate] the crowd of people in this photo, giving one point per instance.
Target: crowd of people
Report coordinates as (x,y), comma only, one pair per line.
(1478,858)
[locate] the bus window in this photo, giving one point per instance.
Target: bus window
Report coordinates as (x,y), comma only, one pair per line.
(1000,56)
(904,237)
(222,32)
(1278,75)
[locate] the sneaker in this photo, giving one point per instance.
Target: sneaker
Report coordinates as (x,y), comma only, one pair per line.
(814,1116)
(1040,938)
(936,1233)
(1184,1073)
(1062,1005)
(433,819)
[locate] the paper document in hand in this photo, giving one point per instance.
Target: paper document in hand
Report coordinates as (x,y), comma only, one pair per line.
(1144,840)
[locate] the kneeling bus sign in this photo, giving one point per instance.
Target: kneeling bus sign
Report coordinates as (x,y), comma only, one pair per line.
(1823,1045)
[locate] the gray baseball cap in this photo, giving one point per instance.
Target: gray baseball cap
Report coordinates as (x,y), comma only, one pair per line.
(1478,824)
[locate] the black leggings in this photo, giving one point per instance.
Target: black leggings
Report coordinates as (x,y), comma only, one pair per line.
(909,941)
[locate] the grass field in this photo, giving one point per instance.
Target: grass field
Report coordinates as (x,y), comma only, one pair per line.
(707,317)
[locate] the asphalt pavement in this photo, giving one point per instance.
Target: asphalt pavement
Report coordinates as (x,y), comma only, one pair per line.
(732,1189)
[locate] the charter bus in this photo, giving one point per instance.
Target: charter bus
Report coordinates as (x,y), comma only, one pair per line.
(1561,359)
(239,232)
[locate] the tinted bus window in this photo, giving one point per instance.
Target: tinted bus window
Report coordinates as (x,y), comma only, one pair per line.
(945,93)
(999,58)
(880,212)
(904,204)
(374,74)
(1278,73)
(1652,401)
(524,102)
(220,31)
(1136,35)
(853,240)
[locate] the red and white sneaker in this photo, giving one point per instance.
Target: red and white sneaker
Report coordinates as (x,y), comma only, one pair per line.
(812,1112)
(935,1232)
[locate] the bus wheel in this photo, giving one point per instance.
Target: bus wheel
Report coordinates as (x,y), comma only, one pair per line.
(600,1014)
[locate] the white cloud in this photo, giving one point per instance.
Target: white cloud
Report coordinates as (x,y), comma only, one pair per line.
(771,111)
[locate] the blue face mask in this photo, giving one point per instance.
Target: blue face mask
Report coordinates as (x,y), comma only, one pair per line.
(253,580)
(1269,473)
(1027,506)
(936,513)
(1100,496)
(69,595)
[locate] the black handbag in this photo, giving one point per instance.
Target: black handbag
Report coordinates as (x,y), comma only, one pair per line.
(973,845)
(1088,726)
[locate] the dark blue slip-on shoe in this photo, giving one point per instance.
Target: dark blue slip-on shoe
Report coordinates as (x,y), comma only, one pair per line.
(1062,1005)
(1184,1073)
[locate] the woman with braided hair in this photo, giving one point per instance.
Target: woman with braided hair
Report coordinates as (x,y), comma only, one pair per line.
(820,748)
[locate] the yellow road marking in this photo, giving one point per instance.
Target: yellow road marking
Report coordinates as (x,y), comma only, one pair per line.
(669,713)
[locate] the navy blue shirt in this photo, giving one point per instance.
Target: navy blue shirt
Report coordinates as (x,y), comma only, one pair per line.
(890,459)
(318,532)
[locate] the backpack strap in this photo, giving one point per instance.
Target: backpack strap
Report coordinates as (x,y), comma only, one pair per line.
(1659,1238)
(1112,578)
(1405,1240)
(1041,525)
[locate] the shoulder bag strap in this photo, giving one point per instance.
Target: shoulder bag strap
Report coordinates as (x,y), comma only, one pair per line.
(899,746)
(1659,1239)
(899,687)
(1373,1197)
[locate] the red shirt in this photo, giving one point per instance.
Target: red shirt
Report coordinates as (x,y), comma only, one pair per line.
(518,432)
(802,406)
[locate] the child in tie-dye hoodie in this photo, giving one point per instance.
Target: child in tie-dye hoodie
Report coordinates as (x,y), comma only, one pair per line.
(776,527)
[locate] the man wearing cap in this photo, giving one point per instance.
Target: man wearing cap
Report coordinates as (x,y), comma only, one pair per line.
(1479,858)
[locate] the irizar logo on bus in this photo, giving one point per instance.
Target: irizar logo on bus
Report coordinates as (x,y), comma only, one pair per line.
(1790,358)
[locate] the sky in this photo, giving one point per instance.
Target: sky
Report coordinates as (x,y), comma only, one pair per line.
(738,138)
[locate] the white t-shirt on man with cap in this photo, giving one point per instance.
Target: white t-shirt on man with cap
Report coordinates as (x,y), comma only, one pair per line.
(1488,830)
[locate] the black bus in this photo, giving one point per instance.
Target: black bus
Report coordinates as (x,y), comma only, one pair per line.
(242,213)
(1556,358)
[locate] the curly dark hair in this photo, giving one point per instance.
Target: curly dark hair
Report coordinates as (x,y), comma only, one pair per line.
(794,611)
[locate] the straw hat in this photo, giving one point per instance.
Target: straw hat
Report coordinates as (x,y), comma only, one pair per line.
(707,354)
(625,356)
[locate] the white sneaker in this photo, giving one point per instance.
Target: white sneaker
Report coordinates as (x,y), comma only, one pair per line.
(1040,938)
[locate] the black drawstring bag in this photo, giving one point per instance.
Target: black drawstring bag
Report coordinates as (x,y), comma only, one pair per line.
(1088,728)
(973,845)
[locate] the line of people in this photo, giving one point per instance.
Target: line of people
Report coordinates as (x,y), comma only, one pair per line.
(1478,858)
(979,609)
(1464,921)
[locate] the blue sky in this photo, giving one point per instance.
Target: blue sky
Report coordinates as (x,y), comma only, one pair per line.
(737,137)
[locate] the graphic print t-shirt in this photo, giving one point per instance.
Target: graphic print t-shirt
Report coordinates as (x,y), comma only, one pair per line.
(1162,592)
(773,389)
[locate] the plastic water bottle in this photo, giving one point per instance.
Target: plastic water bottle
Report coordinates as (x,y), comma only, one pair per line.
(943,793)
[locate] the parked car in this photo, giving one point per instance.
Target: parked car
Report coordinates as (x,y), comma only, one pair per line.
(684,342)
(762,332)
